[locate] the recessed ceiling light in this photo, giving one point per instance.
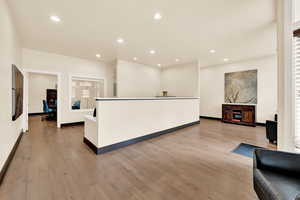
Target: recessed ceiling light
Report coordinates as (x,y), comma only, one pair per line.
(176,60)
(98,55)
(135,58)
(120,40)
(212,51)
(55,18)
(157,16)
(226,59)
(152,52)
(159,65)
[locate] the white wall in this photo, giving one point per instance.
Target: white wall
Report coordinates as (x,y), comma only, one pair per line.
(67,66)
(181,80)
(212,87)
(111,73)
(297,10)
(10,53)
(137,80)
(37,86)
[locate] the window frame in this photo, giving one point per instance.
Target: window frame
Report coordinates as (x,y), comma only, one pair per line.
(84,78)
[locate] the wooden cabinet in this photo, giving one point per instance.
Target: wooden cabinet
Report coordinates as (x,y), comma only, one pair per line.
(239,114)
(227,114)
(247,116)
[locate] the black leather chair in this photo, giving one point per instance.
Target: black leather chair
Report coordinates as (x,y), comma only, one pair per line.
(276,175)
(271,131)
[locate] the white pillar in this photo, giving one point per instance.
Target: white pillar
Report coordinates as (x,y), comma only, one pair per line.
(286,127)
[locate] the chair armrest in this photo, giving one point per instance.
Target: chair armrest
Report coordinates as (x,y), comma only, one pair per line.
(282,162)
(263,188)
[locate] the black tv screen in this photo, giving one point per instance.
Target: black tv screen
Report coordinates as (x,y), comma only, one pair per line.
(17,93)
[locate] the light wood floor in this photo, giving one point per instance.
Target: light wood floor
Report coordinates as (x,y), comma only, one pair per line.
(193,163)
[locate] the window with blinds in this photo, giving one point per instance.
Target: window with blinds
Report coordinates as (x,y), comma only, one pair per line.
(297,86)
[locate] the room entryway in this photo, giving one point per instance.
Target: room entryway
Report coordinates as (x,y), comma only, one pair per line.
(42,96)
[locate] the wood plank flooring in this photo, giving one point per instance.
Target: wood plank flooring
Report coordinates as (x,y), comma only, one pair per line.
(193,163)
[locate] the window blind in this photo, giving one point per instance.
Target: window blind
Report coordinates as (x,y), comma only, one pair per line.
(296,58)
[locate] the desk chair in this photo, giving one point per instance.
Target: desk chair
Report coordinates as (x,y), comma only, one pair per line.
(76,105)
(50,112)
(271,131)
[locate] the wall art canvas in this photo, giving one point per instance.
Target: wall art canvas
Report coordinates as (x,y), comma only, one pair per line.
(241,87)
(17,92)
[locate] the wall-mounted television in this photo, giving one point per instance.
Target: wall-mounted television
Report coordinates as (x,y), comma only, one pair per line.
(17,93)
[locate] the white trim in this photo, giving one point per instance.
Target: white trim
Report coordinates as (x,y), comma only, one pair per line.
(25,101)
(81,110)
(84,77)
(41,71)
(58,74)
(87,78)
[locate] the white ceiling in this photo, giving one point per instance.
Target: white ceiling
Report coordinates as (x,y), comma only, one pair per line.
(236,29)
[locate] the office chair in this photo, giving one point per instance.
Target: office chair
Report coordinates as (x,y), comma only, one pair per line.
(76,105)
(271,131)
(48,111)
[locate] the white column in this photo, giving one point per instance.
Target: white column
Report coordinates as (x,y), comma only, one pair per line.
(286,125)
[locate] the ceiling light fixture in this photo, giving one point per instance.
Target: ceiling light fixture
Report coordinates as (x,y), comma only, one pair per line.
(98,55)
(157,16)
(159,65)
(135,58)
(212,51)
(176,60)
(55,18)
(226,59)
(152,52)
(120,40)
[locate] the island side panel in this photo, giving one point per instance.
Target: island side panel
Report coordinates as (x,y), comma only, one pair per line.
(124,120)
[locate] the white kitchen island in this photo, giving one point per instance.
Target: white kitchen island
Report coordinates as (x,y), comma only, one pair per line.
(123,121)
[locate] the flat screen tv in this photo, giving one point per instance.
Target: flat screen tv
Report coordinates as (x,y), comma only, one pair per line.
(17,93)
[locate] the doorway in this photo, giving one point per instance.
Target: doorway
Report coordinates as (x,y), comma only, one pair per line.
(42,96)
